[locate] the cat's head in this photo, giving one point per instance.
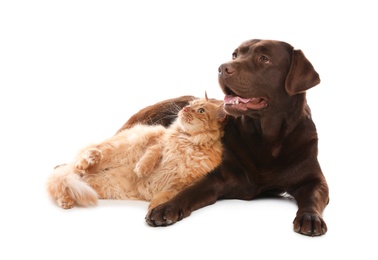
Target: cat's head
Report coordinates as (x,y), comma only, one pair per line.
(202,115)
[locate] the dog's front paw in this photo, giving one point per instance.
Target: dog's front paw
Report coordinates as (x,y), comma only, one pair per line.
(165,214)
(88,158)
(310,224)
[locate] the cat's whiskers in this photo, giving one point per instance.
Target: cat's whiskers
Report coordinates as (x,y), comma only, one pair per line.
(173,108)
(157,121)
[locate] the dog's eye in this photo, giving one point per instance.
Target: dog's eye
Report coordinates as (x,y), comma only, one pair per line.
(234,55)
(264,59)
(201,110)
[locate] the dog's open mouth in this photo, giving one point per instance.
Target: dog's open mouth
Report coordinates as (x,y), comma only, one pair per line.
(244,104)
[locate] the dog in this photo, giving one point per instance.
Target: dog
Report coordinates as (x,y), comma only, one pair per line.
(270,141)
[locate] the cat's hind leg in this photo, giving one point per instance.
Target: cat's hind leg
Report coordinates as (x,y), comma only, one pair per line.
(65,201)
(88,159)
(68,188)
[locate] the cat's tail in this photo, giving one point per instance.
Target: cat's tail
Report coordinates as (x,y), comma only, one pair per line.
(67,188)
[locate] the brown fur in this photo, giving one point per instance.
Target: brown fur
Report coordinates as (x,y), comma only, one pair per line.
(144,162)
(270,141)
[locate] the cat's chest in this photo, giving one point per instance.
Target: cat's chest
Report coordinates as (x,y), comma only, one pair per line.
(182,149)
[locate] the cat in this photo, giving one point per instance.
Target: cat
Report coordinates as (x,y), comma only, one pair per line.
(145,162)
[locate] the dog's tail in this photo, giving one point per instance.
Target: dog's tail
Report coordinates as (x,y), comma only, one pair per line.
(67,188)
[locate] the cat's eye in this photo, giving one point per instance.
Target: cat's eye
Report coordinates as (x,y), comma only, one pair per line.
(201,110)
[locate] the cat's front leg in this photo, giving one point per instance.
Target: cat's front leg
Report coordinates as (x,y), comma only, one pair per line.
(148,161)
(88,159)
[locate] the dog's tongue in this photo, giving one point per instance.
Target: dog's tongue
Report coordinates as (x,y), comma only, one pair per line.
(244,103)
(230,99)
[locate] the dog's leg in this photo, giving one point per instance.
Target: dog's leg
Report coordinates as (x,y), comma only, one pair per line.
(200,194)
(161,197)
(312,198)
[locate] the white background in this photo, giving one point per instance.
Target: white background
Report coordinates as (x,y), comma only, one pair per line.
(72,72)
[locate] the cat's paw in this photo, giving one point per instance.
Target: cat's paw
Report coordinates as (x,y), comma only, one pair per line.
(88,158)
(141,169)
(66,202)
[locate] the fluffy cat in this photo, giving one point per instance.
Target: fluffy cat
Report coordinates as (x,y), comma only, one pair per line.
(145,162)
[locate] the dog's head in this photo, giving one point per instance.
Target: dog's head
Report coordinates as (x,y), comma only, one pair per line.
(264,75)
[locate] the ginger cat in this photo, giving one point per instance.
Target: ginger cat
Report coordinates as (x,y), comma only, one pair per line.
(145,162)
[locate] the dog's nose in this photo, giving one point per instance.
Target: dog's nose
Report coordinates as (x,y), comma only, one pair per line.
(226,70)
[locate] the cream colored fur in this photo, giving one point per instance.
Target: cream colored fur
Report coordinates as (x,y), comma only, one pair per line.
(150,163)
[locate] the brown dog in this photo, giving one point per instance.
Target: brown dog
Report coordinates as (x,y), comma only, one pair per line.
(271,142)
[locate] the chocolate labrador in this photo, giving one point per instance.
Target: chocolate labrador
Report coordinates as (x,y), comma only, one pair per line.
(270,142)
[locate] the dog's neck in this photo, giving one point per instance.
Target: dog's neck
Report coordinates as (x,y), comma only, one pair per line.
(278,124)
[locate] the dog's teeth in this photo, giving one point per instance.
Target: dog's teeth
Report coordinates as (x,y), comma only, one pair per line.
(237,102)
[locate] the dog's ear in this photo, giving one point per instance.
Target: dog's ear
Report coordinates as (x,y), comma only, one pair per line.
(302,75)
